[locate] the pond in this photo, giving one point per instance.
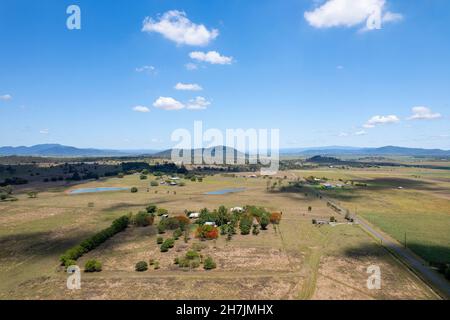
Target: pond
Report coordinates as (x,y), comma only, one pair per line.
(225,191)
(94,190)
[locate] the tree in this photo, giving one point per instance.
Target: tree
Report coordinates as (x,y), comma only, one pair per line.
(151,208)
(255,230)
(161,211)
(264,221)
(309,208)
(223,217)
(134,190)
(32,194)
(246,224)
(143,219)
(143,177)
(275,218)
(154,183)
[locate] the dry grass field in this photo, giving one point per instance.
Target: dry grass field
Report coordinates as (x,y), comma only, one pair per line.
(295,260)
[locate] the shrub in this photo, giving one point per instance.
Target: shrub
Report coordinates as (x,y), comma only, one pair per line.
(143,219)
(182,184)
(192,254)
(255,230)
(332,219)
(151,208)
(177,234)
(309,208)
(209,264)
(143,177)
(153,183)
(161,227)
(167,244)
(195,264)
(264,221)
(245,224)
(141,266)
(156,265)
(134,190)
(69,263)
(275,218)
(161,211)
(93,266)
(159,240)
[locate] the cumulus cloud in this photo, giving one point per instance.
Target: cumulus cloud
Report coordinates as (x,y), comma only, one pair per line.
(147,69)
(141,109)
(44,131)
(361,133)
(188,86)
(423,113)
(175,26)
(5,97)
(378,120)
(168,103)
(212,57)
(350,13)
(199,103)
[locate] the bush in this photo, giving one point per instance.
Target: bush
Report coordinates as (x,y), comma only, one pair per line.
(161,227)
(255,230)
(159,240)
(93,266)
(143,177)
(167,244)
(177,234)
(209,264)
(134,190)
(161,211)
(69,263)
(154,183)
(141,266)
(264,221)
(192,254)
(143,219)
(332,219)
(246,224)
(151,208)
(309,208)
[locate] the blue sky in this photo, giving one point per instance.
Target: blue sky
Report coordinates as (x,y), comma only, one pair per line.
(312,68)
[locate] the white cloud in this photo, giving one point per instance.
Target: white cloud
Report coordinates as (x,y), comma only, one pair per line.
(174,25)
(361,133)
(6,97)
(147,69)
(44,131)
(423,113)
(212,57)
(188,86)
(343,134)
(191,66)
(168,103)
(377,120)
(141,109)
(199,103)
(350,13)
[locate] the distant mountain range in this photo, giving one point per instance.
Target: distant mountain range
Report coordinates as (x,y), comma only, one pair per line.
(57,150)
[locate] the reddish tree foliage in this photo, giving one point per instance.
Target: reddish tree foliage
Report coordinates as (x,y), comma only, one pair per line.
(275,217)
(207,232)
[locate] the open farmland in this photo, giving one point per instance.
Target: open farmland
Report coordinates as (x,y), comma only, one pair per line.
(292,260)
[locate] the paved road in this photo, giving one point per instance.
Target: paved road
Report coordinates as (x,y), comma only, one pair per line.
(430,276)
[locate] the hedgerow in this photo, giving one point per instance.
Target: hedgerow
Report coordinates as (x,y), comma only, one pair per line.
(97,239)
